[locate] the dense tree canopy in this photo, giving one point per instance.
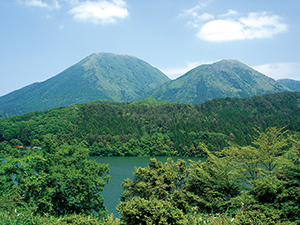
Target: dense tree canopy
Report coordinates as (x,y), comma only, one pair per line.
(54,179)
(256,184)
(138,129)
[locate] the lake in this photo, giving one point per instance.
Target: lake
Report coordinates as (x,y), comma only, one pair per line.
(120,169)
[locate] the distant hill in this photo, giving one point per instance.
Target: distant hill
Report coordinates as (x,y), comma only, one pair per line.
(226,78)
(99,76)
(294,85)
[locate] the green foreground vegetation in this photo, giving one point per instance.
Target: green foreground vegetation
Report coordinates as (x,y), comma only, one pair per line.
(253,184)
(251,174)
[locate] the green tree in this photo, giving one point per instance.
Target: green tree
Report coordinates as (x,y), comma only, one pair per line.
(259,159)
(211,183)
(157,190)
(270,145)
(274,194)
(50,180)
(149,211)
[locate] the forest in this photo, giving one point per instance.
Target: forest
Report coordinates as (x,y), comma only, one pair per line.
(251,174)
(155,128)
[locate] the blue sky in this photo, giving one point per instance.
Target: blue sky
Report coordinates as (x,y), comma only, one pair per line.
(41,38)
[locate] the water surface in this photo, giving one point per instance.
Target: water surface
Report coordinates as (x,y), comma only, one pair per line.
(120,169)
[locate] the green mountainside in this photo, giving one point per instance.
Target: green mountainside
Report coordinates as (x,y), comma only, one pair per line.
(99,76)
(294,85)
(156,129)
(124,78)
(226,78)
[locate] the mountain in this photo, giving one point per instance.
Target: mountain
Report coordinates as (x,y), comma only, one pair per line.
(226,78)
(99,76)
(294,85)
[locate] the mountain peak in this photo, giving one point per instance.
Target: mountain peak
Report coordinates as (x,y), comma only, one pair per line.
(230,60)
(225,78)
(103,54)
(103,75)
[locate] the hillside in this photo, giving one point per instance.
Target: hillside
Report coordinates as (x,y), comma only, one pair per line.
(155,129)
(99,76)
(226,78)
(124,78)
(294,85)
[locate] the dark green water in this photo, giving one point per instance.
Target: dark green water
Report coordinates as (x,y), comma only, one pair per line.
(120,169)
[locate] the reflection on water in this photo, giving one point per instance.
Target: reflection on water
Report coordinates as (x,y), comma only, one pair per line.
(120,169)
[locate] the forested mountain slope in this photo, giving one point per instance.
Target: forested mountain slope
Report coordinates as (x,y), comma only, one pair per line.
(123,129)
(98,76)
(126,78)
(226,78)
(294,85)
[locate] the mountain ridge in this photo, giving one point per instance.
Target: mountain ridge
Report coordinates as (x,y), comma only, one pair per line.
(97,76)
(125,78)
(225,78)
(292,84)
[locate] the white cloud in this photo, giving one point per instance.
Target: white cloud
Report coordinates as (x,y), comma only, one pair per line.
(193,11)
(221,30)
(205,16)
(255,25)
(100,12)
(197,17)
(280,70)
(232,26)
(95,11)
(188,12)
(229,13)
(54,4)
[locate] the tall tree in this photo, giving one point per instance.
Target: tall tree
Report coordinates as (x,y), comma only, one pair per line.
(260,158)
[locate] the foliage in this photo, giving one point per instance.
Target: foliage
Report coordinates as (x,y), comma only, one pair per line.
(259,159)
(150,211)
(57,180)
(150,102)
(212,184)
(115,129)
(40,186)
(24,218)
(256,184)
(156,194)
